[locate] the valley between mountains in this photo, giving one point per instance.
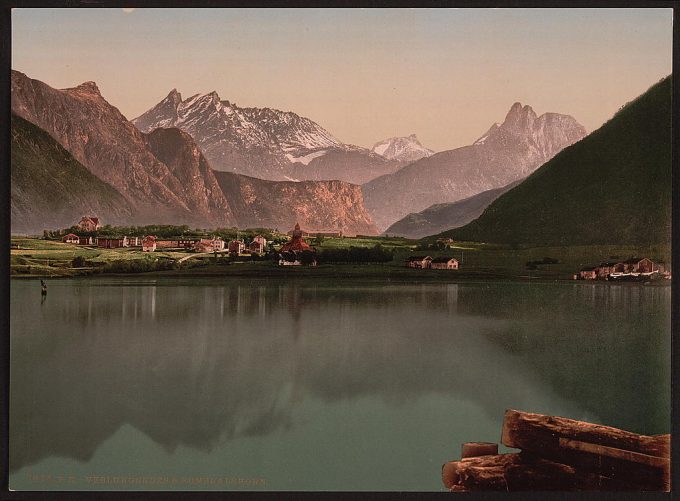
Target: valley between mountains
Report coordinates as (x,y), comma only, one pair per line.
(206,162)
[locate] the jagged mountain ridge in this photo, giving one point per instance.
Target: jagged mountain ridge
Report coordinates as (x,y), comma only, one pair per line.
(263,142)
(163,176)
(506,153)
(404,149)
(613,187)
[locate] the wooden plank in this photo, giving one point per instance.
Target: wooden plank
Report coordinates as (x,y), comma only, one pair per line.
(474,449)
(562,440)
(514,421)
(523,472)
(603,450)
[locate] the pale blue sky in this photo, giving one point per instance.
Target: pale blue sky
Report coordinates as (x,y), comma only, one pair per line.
(364,74)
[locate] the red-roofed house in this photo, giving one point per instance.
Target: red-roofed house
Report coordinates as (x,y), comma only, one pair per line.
(89,223)
(71,238)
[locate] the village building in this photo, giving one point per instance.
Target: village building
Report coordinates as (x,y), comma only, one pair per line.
(420,262)
(215,244)
(89,223)
(71,238)
(256,247)
(132,242)
(296,243)
(444,263)
(149,243)
(315,233)
(186,243)
(110,243)
(87,241)
(637,265)
(236,247)
(609,267)
(621,269)
(588,273)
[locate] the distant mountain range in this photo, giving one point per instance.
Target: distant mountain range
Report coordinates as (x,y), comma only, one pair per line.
(440,217)
(404,149)
(505,153)
(161,177)
(613,187)
(264,142)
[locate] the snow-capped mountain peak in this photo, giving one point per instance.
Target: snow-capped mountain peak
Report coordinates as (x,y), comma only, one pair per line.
(404,149)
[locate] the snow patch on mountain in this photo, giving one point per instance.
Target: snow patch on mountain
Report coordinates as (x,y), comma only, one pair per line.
(404,149)
(306,158)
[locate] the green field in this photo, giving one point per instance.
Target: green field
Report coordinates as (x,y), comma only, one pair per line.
(42,258)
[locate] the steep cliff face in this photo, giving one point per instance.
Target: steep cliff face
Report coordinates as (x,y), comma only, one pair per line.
(263,142)
(333,205)
(50,189)
(113,149)
(506,153)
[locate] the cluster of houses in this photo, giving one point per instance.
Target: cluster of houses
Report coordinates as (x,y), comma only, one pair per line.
(427,262)
(151,243)
(633,268)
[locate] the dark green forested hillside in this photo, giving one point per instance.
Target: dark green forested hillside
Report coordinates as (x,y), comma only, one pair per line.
(612,187)
(51,189)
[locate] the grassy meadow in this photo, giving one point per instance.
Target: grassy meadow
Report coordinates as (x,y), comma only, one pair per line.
(43,258)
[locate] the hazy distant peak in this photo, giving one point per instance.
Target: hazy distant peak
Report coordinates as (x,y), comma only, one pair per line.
(405,149)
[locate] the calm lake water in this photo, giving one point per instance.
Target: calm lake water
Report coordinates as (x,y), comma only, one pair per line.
(303,385)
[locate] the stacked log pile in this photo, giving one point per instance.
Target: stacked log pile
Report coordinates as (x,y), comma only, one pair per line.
(560,454)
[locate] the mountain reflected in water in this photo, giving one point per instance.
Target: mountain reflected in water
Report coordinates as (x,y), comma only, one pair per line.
(205,363)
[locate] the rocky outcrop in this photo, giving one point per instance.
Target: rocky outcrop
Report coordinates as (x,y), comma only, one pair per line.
(329,205)
(506,153)
(113,149)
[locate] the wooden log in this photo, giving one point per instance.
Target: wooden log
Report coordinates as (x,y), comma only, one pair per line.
(602,450)
(523,472)
(474,449)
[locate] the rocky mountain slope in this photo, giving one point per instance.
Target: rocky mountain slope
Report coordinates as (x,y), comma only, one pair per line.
(505,153)
(613,187)
(163,176)
(320,205)
(441,217)
(404,149)
(263,142)
(50,189)
(113,149)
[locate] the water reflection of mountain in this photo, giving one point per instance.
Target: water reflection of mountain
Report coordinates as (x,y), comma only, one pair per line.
(198,365)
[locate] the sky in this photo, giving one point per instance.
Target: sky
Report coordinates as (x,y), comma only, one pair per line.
(362,74)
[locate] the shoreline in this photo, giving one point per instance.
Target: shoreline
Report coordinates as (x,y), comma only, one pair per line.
(357,273)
